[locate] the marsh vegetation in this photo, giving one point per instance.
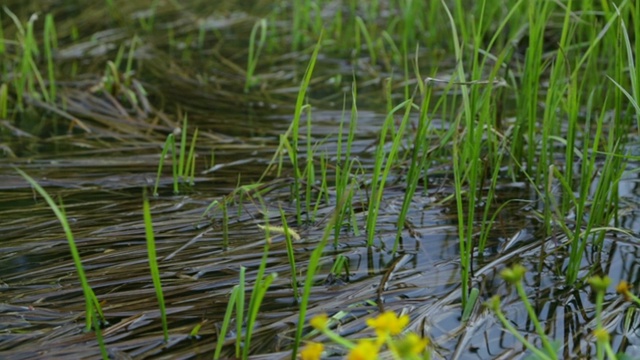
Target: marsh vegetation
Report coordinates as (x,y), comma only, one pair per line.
(206,179)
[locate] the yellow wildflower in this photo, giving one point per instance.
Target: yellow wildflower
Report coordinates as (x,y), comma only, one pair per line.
(319,322)
(312,351)
(388,323)
(365,350)
(624,289)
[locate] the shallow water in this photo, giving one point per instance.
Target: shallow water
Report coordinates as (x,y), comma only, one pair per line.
(99,176)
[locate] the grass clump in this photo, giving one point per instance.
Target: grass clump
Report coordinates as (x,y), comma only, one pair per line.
(183,163)
(236,302)
(28,79)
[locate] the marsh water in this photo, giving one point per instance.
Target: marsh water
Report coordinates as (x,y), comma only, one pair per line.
(98,146)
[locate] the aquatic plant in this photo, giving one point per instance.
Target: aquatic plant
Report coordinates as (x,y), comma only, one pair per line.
(153,265)
(183,163)
(255,48)
(514,148)
(94,317)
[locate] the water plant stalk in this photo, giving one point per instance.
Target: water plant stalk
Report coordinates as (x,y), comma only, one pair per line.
(153,265)
(91,301)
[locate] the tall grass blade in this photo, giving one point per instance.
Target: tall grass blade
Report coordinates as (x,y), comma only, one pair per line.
(290,255)
(380,175)
(255,50)
(312,267)
(222,334)
(418,157)
(240,310)
(295,127)
(183,149)
(169,143)
(153,266)
(460,167)
(91,302)
(50,44)
(259,289)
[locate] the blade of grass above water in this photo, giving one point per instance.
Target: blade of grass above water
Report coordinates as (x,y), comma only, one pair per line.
(153,265)
(380,175)
(312,267)
(460,167)
(91,302)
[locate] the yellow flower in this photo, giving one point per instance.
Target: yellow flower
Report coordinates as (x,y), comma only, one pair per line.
(312,351)
(388,323)
(625,289)
(319,322)
(411,346)
(365,350)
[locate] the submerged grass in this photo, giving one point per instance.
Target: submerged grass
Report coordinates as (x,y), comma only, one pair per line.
(557,124)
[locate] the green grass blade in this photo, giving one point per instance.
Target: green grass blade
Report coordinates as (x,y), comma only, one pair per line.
(90,297)
(312,267)
(231,305)
(167,144)
(153,266)
(240,310)
(290,255)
